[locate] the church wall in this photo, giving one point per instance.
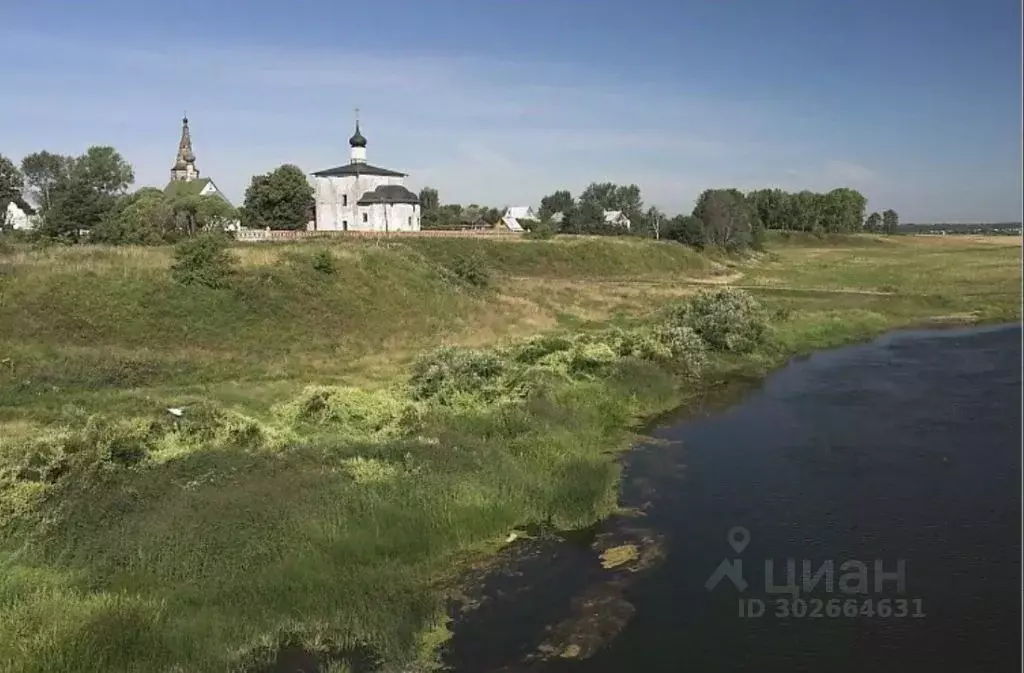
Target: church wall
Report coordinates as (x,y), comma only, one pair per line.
(400,217)
(333,214)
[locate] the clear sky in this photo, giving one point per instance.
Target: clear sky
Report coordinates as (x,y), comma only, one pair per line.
(917,103)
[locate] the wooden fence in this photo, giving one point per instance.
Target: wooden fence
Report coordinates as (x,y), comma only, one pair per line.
(259,235)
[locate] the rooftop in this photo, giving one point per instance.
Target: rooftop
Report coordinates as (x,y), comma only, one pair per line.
(388,194)
(358,168)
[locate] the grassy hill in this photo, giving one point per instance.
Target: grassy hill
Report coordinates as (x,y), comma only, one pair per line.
(324,486)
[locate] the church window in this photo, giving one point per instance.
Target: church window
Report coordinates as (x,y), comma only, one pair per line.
(410,221)
(344,199)
(364,217)
(344,225)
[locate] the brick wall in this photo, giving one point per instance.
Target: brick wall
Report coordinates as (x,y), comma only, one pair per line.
(257,235)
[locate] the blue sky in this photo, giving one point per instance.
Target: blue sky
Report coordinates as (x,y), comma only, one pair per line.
(914,102)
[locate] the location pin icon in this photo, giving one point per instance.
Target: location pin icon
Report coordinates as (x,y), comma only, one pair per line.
(739,538)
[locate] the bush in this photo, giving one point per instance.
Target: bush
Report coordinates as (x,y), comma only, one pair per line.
(686,348)
(352,411)
(449,373)
(323,262)
(726,319)
(471,270)
(539,231)
(534,349)
(203,260)
(688,230)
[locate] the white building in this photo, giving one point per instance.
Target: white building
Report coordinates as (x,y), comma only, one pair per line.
(19,215)
(513,215)
(617,218)
(361,197)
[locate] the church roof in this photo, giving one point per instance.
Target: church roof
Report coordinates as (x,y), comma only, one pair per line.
(176,188)
(388,194)
(358,168)
(23,205)
(186,187)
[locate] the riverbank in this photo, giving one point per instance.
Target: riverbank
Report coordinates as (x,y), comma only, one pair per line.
(336,517)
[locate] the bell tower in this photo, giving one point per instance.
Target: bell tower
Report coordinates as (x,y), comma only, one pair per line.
(185,165)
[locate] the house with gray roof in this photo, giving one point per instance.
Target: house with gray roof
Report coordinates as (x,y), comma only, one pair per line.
(359,196)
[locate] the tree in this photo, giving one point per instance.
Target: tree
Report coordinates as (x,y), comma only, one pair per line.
(43,171)
(280,199)
(873,223)
(890,221)
(686,229)
(142,218)
(772,208)
(430,207)
(651,224)
(560,201)
(87,194)
(10,186)
(727,216)
(194,213)
(429,199)
(843,210)
(104,170)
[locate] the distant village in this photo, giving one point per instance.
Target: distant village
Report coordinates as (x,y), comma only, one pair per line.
(354,197)
(364,198)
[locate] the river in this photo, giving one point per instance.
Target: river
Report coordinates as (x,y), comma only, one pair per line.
(900,453)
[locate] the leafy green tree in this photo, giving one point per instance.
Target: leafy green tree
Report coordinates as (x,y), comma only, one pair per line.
(280,199)
(560,201)
(727,216)
(890,221)
(194,213)
(843,210)
(88,194)
(686,229)
(873,223)
(10,186)
(43,171)
(772,208)
(142,218)
(430,208)
(429,199)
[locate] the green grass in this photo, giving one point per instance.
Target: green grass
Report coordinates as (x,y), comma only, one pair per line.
(130,544)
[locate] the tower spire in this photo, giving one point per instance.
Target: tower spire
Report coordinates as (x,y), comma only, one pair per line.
(185,164)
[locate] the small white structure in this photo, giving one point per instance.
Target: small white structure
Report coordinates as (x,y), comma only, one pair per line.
(617,218)
(513,215)
(361,197)
(19,214)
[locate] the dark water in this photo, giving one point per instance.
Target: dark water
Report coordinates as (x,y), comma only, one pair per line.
(907,448)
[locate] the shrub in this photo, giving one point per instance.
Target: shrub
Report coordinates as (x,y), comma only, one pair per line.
(352,411)
(203,260)
(539,231)
(688,230)
(471,270)
(448,372)
(534,349)
(726,319)
(685,347)
(591,358)
(323,262)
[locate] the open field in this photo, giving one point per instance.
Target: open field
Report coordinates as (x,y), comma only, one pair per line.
(335,518)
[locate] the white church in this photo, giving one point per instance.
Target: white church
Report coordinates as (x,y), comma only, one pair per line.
(362,197)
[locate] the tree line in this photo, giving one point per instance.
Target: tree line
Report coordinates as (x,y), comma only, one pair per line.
(87,196)
(726,218)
